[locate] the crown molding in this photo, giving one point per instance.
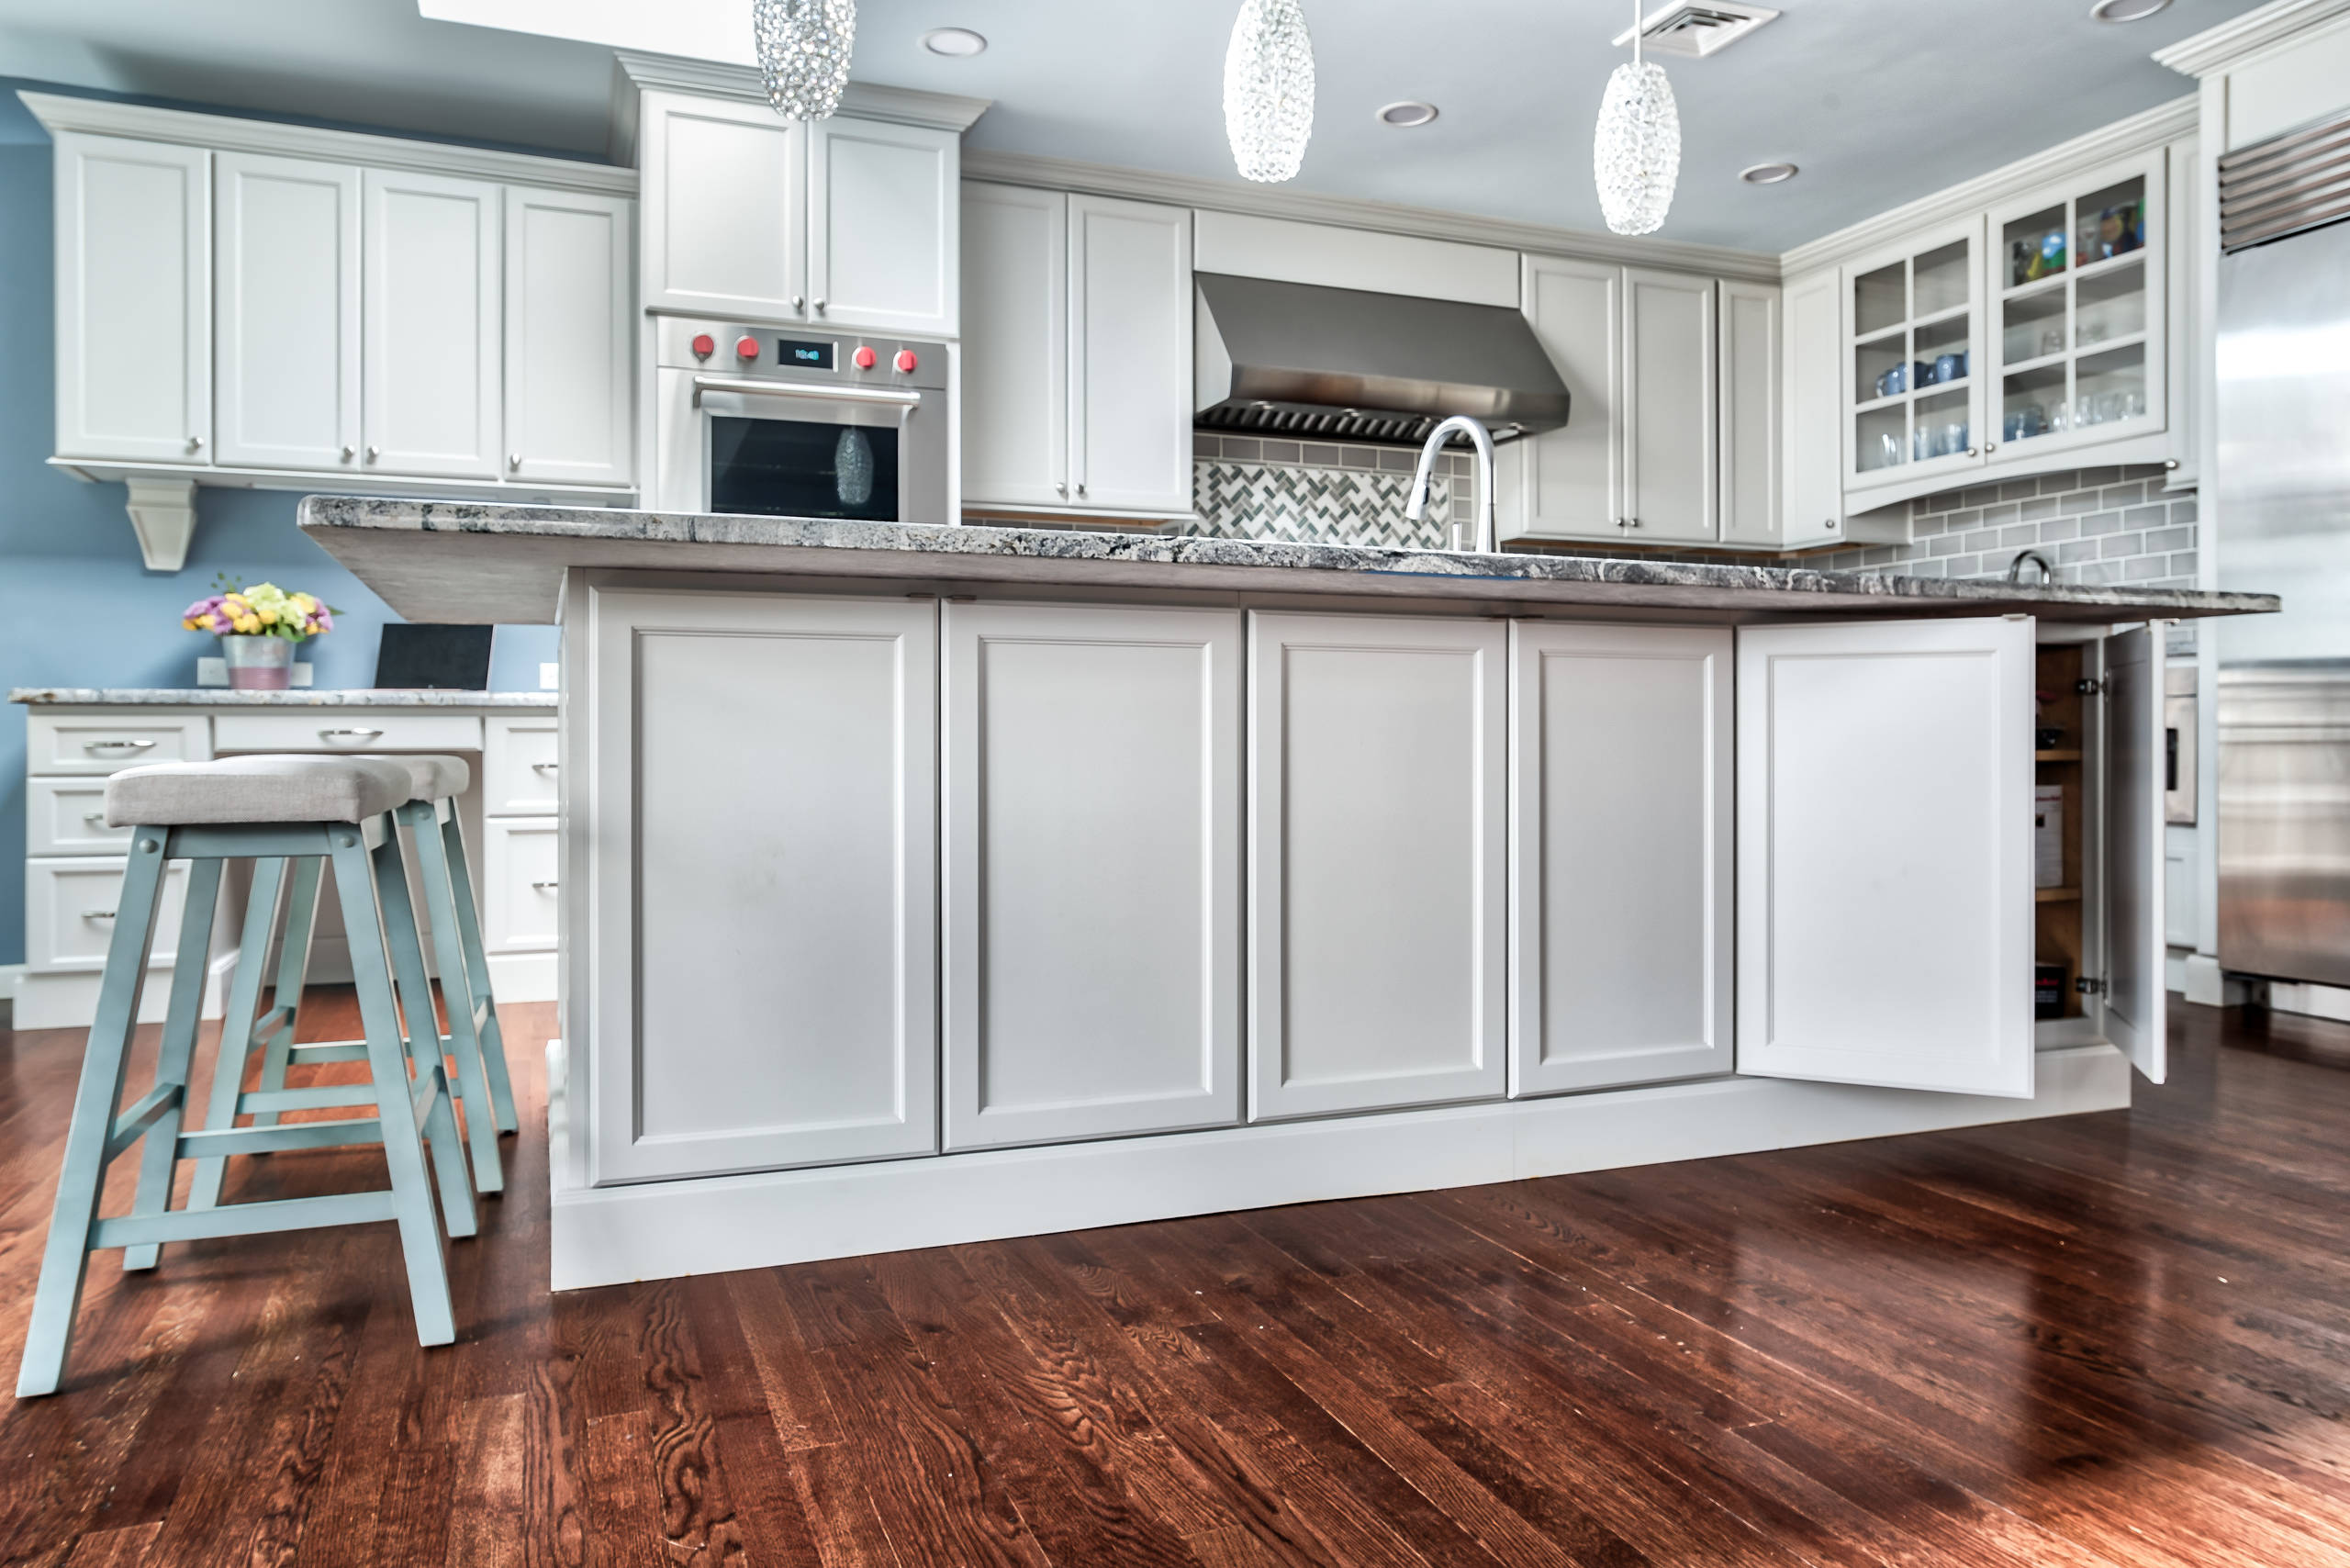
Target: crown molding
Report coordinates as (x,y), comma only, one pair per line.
(864,100)
(1351,212)
(225,133)
(2259,30)
(2141,132)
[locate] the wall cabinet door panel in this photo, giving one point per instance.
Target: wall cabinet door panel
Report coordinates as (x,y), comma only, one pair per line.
(134,300)
(1092,855)
(1015,345)
(884,210)
(1811,400)
(433,311)
(288,325)
(763,927)
(1570,482)
(1671,491)
(1750,359)
(569,354)
(1130,353)
(1884,888)
(1620,847)
(725,208)
(1378,854)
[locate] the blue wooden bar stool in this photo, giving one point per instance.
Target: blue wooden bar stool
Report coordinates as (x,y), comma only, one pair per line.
(267,808)
(473,1039)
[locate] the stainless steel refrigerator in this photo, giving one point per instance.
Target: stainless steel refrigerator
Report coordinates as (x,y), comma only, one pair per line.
(2282,489)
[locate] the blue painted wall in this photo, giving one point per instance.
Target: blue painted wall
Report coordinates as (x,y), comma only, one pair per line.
(77,608)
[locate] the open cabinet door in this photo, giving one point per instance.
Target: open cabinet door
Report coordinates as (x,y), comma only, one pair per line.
(1885,895)
(2135,996)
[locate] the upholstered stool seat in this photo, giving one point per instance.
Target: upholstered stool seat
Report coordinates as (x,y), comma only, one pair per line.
(271,810)
(431,778)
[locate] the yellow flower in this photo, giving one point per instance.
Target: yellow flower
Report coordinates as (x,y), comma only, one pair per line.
(268,616)
(248,625)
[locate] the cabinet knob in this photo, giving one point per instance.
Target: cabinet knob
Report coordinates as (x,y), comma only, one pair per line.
(1080,488)
(1060,486)
(1973,452)
(1631,523)
(349,452)
(820,306)
(195,443)
(1831,525)
(513,462)
(798,302)
(2171,464)
(374,453)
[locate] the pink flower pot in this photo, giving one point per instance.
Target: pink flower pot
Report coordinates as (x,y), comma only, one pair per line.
(257,664)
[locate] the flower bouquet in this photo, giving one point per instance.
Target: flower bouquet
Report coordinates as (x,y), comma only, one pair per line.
(258,628)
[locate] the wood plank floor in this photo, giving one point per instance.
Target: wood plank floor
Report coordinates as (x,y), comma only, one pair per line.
(2109,1340)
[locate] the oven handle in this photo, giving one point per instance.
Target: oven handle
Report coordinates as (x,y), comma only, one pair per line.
(890,396)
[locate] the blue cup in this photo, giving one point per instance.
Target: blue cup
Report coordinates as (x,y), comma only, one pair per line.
(1950,367)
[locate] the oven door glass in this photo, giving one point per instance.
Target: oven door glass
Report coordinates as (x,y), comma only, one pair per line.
(802,468)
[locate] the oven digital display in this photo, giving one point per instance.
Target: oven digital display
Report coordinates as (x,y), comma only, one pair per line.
(804,356)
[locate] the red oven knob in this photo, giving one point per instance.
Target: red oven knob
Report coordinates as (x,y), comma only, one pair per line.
(746,348)
(906,361)
(704,346)
(864,357)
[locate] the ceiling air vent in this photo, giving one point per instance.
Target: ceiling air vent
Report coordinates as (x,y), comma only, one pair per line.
(1697,26)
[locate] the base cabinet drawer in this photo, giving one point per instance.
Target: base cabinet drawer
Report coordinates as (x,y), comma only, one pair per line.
(100,744)
(328,729)
(518,767)
(70,912)
(67,816)
(517,874)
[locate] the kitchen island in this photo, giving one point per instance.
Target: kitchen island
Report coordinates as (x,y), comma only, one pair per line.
(927,884)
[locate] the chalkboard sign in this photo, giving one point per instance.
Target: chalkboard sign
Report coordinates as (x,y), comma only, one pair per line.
(433,658)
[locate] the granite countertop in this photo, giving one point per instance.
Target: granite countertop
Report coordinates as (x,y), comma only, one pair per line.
(221,696)
(467,561)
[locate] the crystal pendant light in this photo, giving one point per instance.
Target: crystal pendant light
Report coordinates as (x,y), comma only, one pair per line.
(1269,90)
(803,54)
(853,467)
(1636,153)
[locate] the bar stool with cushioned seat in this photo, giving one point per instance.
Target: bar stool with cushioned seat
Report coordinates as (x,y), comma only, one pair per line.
(331,809)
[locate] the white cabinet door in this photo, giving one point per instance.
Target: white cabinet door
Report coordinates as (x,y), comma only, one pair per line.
(1015,345)
(1130,355)
(1885,888)
(569,386)
(431,313)
(1811,404)
(763,925)
(725,209)
(1093,854)
(1671,491)
(1569,483)
(288,327)
(1378,861)
(884,208)
(1621,847)
(2136,996)
(134,300)
(1750,447)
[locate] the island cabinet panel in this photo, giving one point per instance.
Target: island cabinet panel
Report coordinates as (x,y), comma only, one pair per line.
(2136,994)
(1093,852)
(1377,860)
(1885,901)
(764,905)
(1620,843)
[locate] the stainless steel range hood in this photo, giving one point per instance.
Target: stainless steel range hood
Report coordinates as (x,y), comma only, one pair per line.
(1320,364)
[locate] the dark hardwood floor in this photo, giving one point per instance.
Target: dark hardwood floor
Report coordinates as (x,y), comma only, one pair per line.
(2107,1340)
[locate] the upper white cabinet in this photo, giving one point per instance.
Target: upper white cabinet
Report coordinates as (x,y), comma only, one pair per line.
(568,391)
(1620,792)
(1811,507)
(1569,483)
(1672,473)
(1753,453)
(289,323)
(432,287)
(1092,861)
(1077,356)
(1378,862)
(1884,854)
(725,208)
(1911,388)
(883,203)
(134,300)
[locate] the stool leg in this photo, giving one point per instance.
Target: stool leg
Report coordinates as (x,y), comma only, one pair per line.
(423,1030)
(457,991)
(493,1042)
(65,1255)
(293,970)
(160,1157)
(428,1267)
(244,1012)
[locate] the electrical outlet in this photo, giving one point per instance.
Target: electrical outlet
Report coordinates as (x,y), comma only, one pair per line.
(213,671)
(549,677)
(304,674)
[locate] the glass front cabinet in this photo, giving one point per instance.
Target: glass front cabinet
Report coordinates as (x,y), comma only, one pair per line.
(2010,340)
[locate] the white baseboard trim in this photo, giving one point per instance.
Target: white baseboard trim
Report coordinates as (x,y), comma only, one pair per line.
(522,976)
(670,1229)
(69,999)
(2204,984)
(2309,998)
(9,975)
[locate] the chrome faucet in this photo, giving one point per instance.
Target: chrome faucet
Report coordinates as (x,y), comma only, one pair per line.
(1482,541)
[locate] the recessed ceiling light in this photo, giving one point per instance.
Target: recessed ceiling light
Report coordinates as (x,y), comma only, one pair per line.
(2126,10)
(1408,114)
(957,43)
(1768,173)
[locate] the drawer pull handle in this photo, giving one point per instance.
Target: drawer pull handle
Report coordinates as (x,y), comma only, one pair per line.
(544,887)
(95,817)
(97,914)
(117,745)
(545,767)
(350,734)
